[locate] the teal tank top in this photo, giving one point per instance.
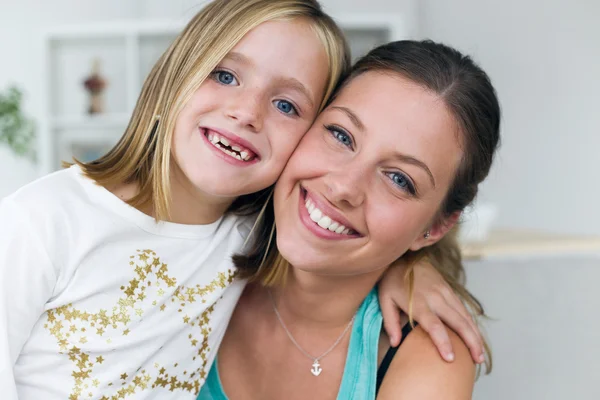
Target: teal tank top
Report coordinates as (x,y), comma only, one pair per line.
(360,373)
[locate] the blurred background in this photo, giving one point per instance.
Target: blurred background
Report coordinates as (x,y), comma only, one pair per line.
(71,70)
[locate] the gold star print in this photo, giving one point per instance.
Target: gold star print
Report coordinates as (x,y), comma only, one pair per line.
(83,340)
(186,319)
(151,272)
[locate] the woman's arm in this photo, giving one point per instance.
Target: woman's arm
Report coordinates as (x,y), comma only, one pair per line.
(418,373)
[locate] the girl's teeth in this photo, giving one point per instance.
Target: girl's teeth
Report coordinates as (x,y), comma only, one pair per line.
(340,229)
(333,226)
(345,231)
(215,139)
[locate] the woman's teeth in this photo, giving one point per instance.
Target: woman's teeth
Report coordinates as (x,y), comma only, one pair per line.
(235,152)
(323,220)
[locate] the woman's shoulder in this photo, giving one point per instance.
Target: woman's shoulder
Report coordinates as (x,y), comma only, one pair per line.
(418,371)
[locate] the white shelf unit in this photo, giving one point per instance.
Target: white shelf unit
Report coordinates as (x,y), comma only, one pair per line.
(127,51)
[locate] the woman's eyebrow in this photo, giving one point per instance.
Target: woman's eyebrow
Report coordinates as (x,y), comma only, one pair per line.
(351,115)
(405,158)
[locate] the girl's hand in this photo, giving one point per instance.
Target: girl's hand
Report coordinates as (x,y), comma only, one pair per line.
(434,303)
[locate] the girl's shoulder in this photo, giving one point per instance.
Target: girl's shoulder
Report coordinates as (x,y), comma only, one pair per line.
(50,193)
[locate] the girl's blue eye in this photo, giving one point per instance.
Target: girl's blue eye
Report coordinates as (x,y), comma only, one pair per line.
(340,135)
(224,77)
(285,107)
(402,182)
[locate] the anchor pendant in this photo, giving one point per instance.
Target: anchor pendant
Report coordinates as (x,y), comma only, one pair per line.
(316,368)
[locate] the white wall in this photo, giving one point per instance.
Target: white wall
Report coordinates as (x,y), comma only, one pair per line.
(543,328)
(21,25)
(544,58)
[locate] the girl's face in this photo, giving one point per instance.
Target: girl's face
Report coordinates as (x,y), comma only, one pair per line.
(368,178)
(239,129)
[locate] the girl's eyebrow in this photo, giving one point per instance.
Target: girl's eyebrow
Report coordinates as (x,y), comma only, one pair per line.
(239,57)
(296,85)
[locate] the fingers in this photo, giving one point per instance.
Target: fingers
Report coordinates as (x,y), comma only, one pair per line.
(454,302)
(464,327)
(391,320)
(438,333)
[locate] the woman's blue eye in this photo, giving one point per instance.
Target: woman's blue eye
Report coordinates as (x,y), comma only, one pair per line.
(402,181)
(285,107)
(340,135)
(224,77)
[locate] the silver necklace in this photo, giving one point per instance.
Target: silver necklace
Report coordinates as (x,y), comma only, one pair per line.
(316,365)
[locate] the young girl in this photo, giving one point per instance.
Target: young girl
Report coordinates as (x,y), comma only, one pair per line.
(116,277)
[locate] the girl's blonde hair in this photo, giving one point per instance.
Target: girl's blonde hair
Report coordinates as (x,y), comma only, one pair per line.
(143,154)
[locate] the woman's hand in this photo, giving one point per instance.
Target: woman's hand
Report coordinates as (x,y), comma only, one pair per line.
(434,303)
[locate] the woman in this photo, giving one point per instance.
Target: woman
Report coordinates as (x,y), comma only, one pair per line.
(395,158)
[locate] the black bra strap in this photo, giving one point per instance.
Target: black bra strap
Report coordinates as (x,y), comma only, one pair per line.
(389,356)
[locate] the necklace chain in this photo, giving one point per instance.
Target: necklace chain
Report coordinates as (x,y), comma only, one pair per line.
(287,331)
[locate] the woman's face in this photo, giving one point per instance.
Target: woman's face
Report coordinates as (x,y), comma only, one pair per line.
(238,130)
(368,178)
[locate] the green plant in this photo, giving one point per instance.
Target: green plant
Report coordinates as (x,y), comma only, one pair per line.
(16,129)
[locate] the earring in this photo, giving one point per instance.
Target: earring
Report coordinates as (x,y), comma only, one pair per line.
(427,235)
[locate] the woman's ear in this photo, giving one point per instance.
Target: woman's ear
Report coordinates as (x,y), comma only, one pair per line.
(436,232)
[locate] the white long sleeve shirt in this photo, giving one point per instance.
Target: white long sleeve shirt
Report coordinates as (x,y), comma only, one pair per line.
(98,301)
